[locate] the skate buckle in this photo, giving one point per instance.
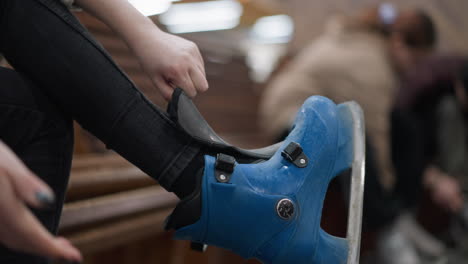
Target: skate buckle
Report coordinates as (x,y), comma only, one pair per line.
(200,247)
(294,154)
(224,167)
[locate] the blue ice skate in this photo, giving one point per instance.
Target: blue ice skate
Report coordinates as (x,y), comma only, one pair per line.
(271,210)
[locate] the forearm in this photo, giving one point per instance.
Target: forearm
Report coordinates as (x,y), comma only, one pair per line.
(121,17)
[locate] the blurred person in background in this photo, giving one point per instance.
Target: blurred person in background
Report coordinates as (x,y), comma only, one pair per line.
(429,138)
(361,58)
(429,99)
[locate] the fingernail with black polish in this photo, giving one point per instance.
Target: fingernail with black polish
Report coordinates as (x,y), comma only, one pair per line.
(46,199)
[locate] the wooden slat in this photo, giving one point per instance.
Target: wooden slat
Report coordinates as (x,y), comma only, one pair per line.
(94,161)
(95,182)
(103,176)
(117,205)
(119,233)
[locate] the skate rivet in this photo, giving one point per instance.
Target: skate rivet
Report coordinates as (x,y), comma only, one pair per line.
(285,209)
(302,161)
(222,177)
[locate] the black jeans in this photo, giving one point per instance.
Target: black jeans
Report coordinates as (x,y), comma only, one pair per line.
(62,74)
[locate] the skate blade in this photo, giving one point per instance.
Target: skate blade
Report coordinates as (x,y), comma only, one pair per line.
(357,182)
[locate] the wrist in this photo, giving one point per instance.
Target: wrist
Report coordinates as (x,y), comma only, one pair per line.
(122,17)
(140,34)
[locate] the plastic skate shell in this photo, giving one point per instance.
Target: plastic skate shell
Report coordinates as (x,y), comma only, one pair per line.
(271,211)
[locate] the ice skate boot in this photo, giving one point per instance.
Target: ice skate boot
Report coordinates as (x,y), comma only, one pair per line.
(271,210)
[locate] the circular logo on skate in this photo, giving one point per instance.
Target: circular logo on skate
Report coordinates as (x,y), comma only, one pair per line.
(285,209)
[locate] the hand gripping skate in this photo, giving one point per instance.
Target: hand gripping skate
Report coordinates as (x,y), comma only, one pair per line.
(272,210)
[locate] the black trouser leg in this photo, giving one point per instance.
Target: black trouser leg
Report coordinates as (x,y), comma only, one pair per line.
(43,138)
(45,42)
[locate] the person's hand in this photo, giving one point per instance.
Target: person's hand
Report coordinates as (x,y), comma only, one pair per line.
(447,193)
(171,62)
(445,190)
(19,229)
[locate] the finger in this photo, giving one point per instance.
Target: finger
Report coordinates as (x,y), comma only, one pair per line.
(69,252)
(27,186)
(164,87)
(202,70)
(20,230)
(185,82)
(201,66)
(202,62)
(200,57)
(33,238)
(199,80)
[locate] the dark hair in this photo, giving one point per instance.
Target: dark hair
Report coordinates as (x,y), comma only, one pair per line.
(420,31)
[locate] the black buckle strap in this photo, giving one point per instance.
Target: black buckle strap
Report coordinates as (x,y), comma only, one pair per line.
(224,167)
(295,154)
